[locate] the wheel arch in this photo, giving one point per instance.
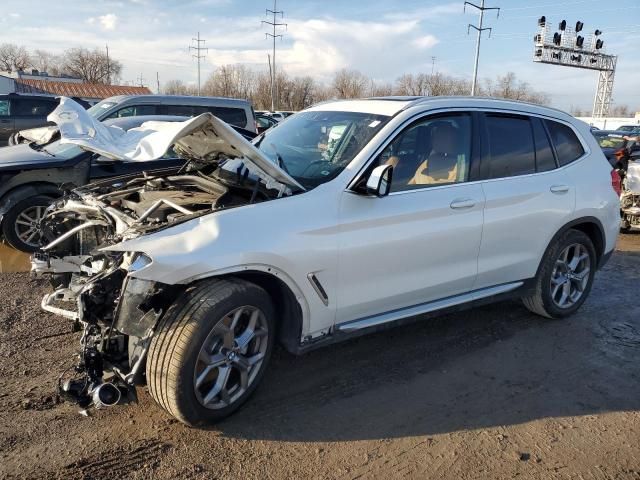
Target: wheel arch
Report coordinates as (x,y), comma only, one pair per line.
(289,302)
(590,226)
(20,192)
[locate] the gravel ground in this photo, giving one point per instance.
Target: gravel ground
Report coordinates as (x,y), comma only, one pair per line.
(491,393)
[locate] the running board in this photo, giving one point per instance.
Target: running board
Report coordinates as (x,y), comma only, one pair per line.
(428,307)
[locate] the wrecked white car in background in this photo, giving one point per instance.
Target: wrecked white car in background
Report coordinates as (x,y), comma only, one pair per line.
(349,217)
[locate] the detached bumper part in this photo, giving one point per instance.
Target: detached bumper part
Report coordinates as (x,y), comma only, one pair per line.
(63,295)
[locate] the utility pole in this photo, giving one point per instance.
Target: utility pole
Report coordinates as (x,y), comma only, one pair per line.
(433,65)
(479,29)
(140,80)
(158,81)
(108,67)
(198,48)
(274,23)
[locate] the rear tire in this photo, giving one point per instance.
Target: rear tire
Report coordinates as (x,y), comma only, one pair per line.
(565,276)
(20,226)
(198,369)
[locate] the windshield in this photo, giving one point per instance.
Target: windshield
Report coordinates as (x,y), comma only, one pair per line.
(98,108)
(610,141)
(314,147)
(65,151)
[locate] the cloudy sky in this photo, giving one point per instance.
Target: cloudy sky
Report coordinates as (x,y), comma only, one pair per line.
(381,38)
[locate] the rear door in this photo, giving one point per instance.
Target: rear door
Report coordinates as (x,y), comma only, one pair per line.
(528,198)
(6,121)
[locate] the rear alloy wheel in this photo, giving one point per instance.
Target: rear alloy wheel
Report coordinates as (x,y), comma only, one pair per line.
(210,350)
(21,225)
(565,276)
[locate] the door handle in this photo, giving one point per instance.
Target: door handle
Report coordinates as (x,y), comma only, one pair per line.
(460,203)
(4,121)
(559,188)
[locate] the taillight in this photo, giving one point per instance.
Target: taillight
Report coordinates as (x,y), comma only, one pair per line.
(616,182)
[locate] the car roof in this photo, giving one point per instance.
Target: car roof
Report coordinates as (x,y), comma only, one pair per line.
(131,122)
(394,104)
(182,99)
(609,132)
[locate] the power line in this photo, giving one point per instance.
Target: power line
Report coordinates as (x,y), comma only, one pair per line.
(198,48)
(274,23)
(548,5)
(479,29)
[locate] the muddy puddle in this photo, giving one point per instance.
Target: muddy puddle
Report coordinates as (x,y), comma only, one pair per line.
(12,260)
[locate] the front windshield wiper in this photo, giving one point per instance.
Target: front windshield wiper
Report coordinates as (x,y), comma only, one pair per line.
(281,163)
(40,148)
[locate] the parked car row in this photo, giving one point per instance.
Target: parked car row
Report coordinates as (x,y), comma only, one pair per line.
(348,218)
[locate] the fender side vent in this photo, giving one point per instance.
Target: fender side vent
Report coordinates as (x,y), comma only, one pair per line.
(317,286)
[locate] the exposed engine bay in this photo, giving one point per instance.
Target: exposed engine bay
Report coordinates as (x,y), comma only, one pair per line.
(95,287)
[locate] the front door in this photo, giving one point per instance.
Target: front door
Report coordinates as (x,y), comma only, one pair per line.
(420,243)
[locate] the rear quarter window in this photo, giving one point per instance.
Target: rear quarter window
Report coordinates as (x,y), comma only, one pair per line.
(232,116)
(568,147)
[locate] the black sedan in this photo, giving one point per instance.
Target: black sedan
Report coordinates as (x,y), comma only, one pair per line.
(32,176)
(611,142)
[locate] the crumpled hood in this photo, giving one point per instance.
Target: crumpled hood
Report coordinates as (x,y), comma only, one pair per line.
(201,138)
(40,135)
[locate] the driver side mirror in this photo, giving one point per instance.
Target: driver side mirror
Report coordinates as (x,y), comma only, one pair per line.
(379,182)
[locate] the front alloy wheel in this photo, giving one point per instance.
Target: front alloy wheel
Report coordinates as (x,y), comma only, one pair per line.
(21,225)
(231,357)
(211,349)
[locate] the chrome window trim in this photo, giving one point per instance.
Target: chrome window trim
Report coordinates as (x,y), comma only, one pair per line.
(437,111)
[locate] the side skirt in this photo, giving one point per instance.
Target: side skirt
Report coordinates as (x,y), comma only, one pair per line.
(403,316)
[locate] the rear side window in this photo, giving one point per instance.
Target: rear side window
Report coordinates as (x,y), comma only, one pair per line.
(545,160)
(181,110)
(568,147)
(33,107)
(511,149)
(4,108)
(232,116)
(134,111)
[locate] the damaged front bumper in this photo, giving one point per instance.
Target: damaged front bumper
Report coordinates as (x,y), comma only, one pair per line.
(117,314)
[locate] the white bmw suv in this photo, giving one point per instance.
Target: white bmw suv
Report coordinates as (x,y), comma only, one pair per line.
(349,217)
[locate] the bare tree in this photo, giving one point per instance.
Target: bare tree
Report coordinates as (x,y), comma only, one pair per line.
(45,61)
(178,87)
(349,84)
(93,66)
(235,81)
(620,111)
(13,57)
(508,86)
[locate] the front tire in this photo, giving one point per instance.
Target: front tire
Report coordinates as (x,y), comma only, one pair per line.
(211,350)
(565,276)
(21,224)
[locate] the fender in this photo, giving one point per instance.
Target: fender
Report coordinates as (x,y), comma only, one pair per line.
(299,326)
(597,235)
(24,191)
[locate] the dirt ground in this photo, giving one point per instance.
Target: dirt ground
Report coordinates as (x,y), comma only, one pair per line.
(491,393)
